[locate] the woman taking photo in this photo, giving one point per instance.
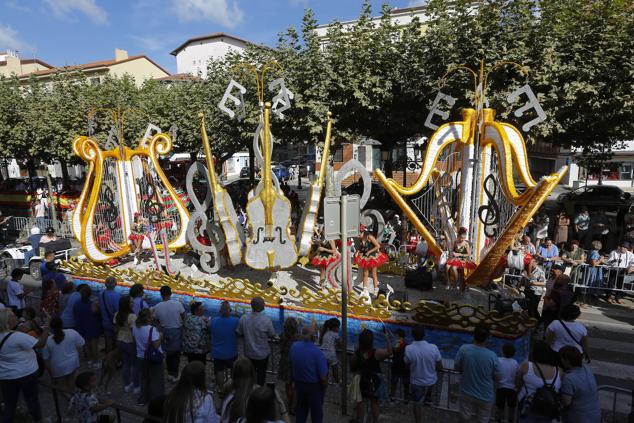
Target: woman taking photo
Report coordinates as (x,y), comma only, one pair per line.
(190,401)
(124,321)
(18,367)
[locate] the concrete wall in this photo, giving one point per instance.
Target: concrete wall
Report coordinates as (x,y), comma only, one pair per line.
(141,69)
(193,58)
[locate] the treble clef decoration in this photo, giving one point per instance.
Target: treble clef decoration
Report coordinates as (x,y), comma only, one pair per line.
(152,207)
(110,211)
(200,225)
(489,214)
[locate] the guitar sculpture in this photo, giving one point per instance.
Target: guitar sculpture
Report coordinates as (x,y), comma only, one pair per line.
(270,243)
(223,205)
(314,198)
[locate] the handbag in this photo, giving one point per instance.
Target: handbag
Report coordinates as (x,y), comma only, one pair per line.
(152,354)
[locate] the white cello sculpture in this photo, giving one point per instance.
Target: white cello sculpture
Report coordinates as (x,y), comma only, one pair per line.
(270,244)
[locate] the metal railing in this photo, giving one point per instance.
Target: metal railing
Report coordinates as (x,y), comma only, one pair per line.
(619,408)
(119,409)
(22,226)
(590,280)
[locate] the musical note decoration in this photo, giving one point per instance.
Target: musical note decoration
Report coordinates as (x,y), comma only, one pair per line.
(282,100)
(238,102)
(436,110)
(111,144)
(200,226)
(532,103)
(488,155)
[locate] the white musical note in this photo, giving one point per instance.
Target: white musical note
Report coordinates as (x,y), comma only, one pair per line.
(173,131)
(111,144)
(532,103)
(282,101)
(148,131)
(436,111)
(238,102)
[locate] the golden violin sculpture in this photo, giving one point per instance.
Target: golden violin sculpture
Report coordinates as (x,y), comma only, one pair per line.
(270,243)
(314,197)
(234,237)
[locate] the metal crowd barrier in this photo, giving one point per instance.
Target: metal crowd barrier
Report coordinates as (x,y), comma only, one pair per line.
(22,226)
(591,280)
(118,408)
(620,410)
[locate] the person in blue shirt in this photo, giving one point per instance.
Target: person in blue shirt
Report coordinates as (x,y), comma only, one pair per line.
(224,342)
(579,392)
(67,314)
(48,270)
(109,305)
(547,253)
(309,373)
(478,365)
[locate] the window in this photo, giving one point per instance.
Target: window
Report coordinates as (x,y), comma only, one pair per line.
(95,81)
(337,155)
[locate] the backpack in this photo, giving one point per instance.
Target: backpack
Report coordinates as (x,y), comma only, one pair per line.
(369,381)
(545,400)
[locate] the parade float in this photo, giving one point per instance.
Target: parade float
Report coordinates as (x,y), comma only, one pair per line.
(467,180)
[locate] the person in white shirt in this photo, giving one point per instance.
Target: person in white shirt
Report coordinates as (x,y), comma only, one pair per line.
(18,367)
(623,259)
(190,401)
(169,314)
(61,354)
(257,328)
(16,292)
(144,334)
(39,209)
(505,395)
(425,362)
(567,331)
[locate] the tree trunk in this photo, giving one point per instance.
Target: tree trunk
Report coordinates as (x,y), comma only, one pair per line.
(65,176)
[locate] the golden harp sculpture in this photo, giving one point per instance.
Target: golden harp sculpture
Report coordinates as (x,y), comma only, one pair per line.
(123,182)
(467,180)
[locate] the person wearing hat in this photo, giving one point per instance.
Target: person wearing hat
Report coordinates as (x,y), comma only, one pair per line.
(622,261)
(49,236)
(33,240)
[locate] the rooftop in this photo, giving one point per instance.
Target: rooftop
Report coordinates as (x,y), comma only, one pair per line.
(205,37)
(95,65)
(27,61)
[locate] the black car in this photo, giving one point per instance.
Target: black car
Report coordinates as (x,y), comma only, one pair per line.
(595,195)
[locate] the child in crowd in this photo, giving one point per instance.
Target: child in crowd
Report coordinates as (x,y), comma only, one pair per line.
(506,394)
(84,407)
(400,371)
(329,341)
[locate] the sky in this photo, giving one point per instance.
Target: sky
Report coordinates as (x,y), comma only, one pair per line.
(68,32)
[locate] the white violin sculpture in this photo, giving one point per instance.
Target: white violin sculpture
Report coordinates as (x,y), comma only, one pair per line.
(223,205)
(314,198)
(270,243)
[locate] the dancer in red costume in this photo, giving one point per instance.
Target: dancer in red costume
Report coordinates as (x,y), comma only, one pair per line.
(326,253)
(136,236)
(459,260)
(369,257)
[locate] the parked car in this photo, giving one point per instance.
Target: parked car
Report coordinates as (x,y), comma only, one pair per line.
(594,195)
(282,173)
(14,257)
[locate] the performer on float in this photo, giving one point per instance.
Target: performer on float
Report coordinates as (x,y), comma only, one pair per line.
(459,260)
(369,257)
(326,253)
(137,233)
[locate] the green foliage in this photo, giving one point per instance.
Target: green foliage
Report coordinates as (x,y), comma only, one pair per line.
(378,79)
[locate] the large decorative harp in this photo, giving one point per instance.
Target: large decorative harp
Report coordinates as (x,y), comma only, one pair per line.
(468,180)
(122,183)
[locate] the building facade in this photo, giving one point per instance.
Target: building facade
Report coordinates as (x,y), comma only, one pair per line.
(193,55)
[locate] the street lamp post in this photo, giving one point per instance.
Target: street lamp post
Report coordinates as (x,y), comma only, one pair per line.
(299,165)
